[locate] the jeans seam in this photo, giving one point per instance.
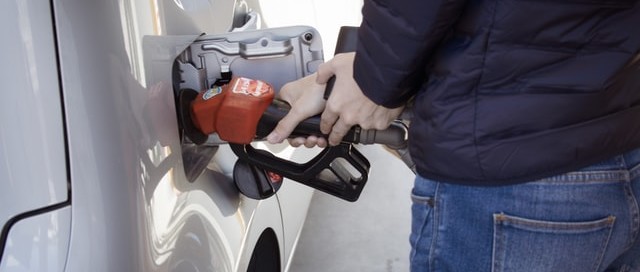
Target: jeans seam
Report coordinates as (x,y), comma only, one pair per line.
(634,214)
(422,226)
(497,243)
(434,226)
(429,211)
(500,219)
(587,177)
(632,202)
(606,241)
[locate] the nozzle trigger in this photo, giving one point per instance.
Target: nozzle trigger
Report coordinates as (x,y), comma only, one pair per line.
(341,170)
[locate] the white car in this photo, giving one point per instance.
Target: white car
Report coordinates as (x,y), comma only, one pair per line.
(95,174)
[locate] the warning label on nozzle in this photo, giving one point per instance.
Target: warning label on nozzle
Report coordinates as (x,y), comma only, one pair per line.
(251,87)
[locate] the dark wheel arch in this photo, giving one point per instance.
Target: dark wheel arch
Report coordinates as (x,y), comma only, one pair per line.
(266,254)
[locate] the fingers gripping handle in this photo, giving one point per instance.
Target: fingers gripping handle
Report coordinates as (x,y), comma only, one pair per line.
(347,42)
(394,137)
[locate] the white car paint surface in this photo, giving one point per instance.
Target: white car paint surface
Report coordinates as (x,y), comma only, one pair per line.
(92,177)
(33,170)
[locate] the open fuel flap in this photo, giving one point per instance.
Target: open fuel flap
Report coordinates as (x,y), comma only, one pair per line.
(230,81)
(275,55)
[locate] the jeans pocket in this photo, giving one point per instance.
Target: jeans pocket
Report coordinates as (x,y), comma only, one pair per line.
(521,244)
(421,229)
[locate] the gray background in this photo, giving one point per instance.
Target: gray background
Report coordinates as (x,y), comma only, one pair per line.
(371,234)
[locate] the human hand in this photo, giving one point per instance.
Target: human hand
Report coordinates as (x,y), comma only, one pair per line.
(306,99)
(347,105)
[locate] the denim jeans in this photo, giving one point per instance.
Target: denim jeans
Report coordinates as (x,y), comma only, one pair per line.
(580,221)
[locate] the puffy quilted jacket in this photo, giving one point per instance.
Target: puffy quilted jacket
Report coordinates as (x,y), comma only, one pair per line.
(506,91)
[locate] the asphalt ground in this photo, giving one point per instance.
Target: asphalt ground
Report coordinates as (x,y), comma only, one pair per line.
(371,234)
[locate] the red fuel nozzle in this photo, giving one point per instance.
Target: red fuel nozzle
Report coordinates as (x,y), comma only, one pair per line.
(244,110)
(232,110)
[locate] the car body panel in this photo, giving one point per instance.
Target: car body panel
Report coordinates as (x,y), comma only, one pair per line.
(131,199)
(90,141)
(33,171)
(38,243)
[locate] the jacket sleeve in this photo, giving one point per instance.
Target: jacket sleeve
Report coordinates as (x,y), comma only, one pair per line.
(395,40)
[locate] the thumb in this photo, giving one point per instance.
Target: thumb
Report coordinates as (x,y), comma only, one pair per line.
(324,73)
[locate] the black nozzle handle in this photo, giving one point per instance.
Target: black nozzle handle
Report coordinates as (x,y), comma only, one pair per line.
(347,42)
(347,187)
(395,136)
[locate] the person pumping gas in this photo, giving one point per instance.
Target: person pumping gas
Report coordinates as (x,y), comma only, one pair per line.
(525,129)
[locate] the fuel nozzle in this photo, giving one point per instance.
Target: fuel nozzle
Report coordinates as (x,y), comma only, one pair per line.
(244,110)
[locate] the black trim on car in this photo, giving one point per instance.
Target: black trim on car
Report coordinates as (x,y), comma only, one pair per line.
(7,227)
(12,221)
(63,110)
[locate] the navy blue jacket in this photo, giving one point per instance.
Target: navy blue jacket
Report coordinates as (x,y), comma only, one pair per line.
(506,91)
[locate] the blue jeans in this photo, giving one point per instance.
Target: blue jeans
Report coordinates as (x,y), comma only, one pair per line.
(581,221)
